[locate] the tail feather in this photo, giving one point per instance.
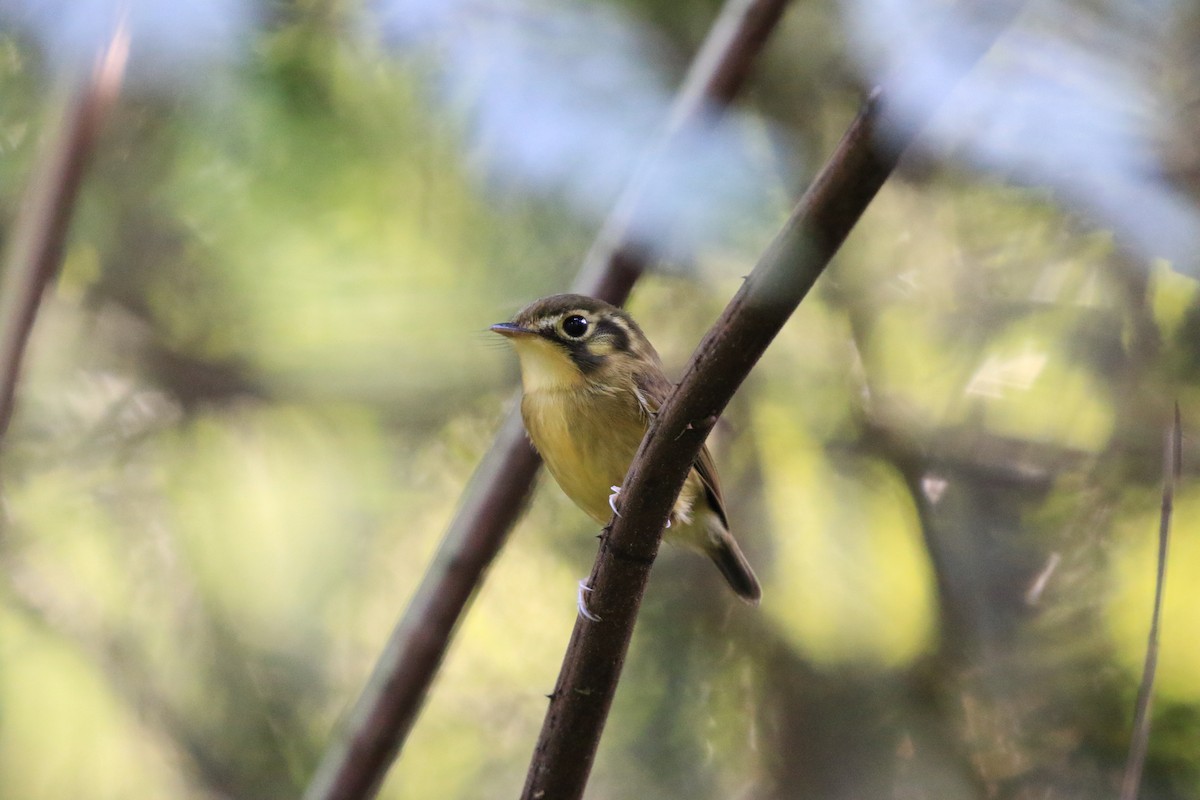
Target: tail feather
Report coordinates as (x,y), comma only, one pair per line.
(728,557)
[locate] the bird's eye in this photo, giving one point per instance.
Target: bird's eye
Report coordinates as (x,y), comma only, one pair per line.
(574,326)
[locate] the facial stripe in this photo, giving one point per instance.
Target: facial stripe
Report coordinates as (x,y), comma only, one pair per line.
(584,358)
(609,332)
(615,331)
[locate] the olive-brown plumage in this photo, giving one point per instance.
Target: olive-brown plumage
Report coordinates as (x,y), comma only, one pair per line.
(591,382)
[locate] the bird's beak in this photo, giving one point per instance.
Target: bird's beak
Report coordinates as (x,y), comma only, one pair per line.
(510,330)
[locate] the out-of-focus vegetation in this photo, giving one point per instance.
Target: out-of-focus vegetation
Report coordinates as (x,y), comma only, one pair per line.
(263,380)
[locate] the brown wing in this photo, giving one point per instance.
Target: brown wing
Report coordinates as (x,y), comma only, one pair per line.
(706,468)
(653,388)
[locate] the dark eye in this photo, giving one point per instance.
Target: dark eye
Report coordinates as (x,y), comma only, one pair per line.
(574,326)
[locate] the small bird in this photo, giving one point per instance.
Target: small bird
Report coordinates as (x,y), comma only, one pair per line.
(591,382)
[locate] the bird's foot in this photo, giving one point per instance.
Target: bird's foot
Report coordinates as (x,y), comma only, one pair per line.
(612,502)
(581,602)
(612,499)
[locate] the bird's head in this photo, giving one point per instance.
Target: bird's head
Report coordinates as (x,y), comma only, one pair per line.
(570,341)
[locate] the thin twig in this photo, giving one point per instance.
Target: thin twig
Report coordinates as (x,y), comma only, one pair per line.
(592,665)
(39,236)
(1140,740)
(782,278)
(354,764)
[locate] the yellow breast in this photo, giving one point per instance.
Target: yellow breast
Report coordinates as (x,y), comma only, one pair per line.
(587,441)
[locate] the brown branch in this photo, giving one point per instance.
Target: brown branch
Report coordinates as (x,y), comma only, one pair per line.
(592,665)
(39,236)
(782,278)
(1140,739)
(354,764)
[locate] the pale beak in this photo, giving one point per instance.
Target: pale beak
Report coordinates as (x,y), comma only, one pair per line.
(510,330)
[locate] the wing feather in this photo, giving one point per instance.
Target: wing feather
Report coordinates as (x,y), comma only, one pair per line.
(653,389)
(706,468)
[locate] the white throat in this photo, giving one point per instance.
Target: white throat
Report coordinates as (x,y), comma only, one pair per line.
(545,367)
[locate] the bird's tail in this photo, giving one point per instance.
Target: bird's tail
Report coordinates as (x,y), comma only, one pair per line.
(728,557)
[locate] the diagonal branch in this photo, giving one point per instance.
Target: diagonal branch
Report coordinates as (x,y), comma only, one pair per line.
(1140,740)
(354,764)
(782,278)
(789,268)
(39,236)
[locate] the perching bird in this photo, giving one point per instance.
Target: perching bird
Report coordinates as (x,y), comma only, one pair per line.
(591,382)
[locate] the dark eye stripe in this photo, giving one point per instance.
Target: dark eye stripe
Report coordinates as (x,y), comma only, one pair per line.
(616,331)
(586,360)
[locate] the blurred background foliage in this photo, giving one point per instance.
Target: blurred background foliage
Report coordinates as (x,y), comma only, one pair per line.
(263,380)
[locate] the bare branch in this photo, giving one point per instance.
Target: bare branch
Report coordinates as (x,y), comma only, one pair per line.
(782,278)
(592,665)
(1140,740)
(354,765)
(40,233)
